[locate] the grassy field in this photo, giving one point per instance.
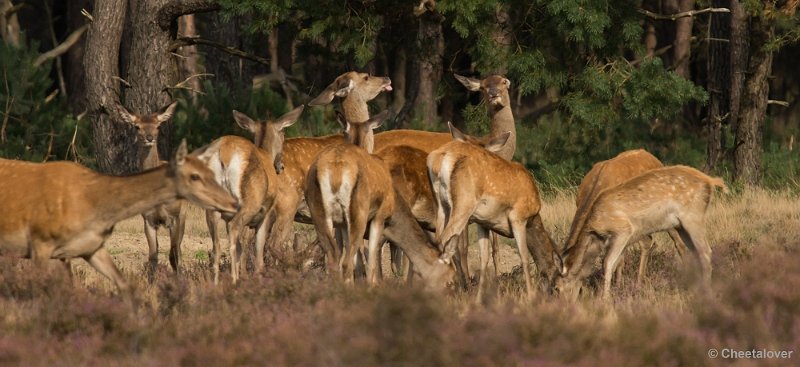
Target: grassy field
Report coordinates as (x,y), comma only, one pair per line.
(291,317)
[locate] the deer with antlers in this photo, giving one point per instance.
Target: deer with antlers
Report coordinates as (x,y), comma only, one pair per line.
(675,197)
(504,199)
(350,191)
(250,174)
(61,210)
(172,215)
(608,174)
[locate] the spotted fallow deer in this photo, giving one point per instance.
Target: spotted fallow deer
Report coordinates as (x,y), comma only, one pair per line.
(249,174)
(675,197)
(172,215)
(61,210)
(607,174)
(350,191)
(472,184)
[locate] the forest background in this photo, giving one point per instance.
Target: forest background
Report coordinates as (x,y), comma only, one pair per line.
(710,84)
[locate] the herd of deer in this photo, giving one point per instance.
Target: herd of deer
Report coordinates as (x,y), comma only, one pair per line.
(417,190)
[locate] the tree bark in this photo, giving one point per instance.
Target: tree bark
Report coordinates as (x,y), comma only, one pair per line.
(718,66)
(430,46)
(151,68)
(739,44)
(683,39)
(9,25)
(73,62)
(111,138)
(189,63)
(753,112)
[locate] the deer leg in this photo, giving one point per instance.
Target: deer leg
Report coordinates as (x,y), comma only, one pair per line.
(261,240)
(495,242)
(175,240)
(680,247)
(620,267)
(235,228)
(212,217)
(693,234)
(644,256)
(520,236)
(459,219)
(616,246)
(151,233)
(463,256)
(483,244)
(355,238)
(373,249)
(102,262)
(280,229)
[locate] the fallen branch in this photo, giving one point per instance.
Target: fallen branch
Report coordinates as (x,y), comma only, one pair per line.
(684,14)
(188,41)
(63,47)
(779,103)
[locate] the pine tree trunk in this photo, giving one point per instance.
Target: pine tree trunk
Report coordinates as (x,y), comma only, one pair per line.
(111,138)
(151,68)
(189,64)
(739,44)
(430,45)
(73,62)
(718,67)
(754,103)
(683,39)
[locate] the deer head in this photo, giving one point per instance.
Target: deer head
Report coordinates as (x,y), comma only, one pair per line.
(195,182)
(494,89)
(353,84)
(361,133)
(269,134)
(147,125)
(490,143)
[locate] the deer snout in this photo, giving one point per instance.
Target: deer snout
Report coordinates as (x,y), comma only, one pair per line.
(149,139)
(388,85)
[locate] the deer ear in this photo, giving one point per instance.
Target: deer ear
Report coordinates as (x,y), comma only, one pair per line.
(507,82)
(498,142)
(180,156)
(166,112)
(244,121)
(471,84)
(289,118)
(126,115)
(456,133)
(344,90)
(378,120)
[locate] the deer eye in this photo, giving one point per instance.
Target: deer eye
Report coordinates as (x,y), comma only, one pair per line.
(195,177)
(366,77)
(137,127)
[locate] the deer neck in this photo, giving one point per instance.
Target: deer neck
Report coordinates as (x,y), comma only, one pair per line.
(502,120)
(148,157)
(403,231)
(118,198)
(355,109)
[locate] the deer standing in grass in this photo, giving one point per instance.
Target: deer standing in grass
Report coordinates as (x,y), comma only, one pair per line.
(61,210)
(472,184)
(250,174)
(172,215)
(355,90)
(494,89)
(350,191)
(675,197)
(608,174)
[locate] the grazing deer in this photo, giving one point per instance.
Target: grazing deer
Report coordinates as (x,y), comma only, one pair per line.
(675,197)
(494,89)
(472,184)
(351,191)
(172,215)
(61,210)
(608,174)
(249,174)
(355,90)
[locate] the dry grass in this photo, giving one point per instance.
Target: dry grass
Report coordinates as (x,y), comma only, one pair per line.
(303,318)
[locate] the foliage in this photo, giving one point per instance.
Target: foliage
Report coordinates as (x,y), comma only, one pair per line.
(36,121)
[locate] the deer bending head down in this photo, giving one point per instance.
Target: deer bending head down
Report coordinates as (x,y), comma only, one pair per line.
(75,208)
(674,197)
(472,184)
(349,190)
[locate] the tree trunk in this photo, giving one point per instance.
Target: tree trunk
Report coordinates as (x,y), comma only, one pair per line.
(430,46)
(73,62)
(719,82)
(739,45)
(111,137)
(9,25)
(683,39)
(754,103)
(189,63)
